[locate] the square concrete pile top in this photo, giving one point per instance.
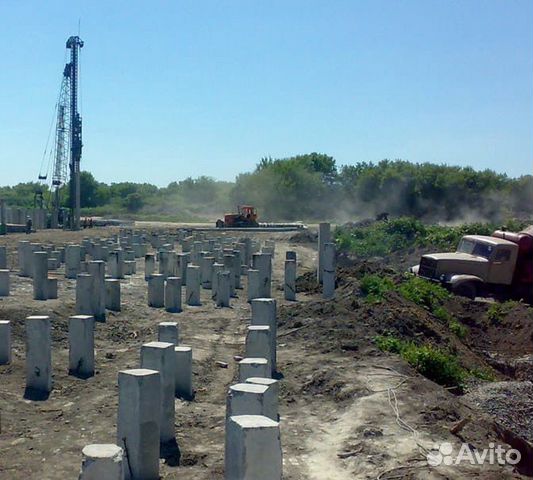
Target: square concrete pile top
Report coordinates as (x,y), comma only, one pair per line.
(254,361)
(258,328)
(158,345)
(140,372)
(183,348)
(248,388)
(261,381)
(254,421)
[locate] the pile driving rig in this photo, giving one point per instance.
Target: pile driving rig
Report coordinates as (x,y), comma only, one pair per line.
(66,154)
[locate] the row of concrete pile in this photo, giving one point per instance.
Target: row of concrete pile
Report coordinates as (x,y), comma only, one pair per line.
(146,416)
(253,444)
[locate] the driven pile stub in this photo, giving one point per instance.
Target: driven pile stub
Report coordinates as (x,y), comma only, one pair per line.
(253,448)
(246,399)
(184,371)
(138,427)
(5,342)
(254,367)
(102,462)
(38,354)
(168,332)
(271,395)
(81,345)
(160,356)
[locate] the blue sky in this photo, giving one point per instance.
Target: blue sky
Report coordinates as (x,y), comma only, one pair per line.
(176,89)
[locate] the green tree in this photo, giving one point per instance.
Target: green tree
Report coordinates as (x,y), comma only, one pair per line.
(133,202)
(88,190)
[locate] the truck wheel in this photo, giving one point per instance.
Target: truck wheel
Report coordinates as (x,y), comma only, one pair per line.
(219,224)
(467,289)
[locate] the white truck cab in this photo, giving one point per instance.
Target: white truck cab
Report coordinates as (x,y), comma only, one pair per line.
(479,260)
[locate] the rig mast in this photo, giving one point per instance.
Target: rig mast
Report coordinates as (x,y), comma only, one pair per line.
(71,69)
(66,154)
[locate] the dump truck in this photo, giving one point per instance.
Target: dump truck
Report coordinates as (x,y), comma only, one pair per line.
(246,216)
(499,264)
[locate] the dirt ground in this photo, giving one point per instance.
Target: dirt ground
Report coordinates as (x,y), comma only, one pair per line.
(348,411)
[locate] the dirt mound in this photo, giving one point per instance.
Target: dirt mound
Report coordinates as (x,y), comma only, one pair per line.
(347,275)
(307,283)
(501,339)
(304,236)
(351,323)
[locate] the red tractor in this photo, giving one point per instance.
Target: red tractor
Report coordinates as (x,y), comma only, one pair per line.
(245,217)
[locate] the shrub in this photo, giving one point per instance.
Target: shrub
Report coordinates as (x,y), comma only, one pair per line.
(133,202)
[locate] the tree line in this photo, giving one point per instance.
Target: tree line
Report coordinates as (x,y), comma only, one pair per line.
(310,187)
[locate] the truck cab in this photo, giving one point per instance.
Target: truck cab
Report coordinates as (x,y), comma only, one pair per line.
(480,261)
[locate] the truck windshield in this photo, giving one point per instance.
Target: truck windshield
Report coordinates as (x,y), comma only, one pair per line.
(474,248)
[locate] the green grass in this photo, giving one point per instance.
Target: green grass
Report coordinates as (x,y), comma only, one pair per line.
(432,362)
(498,311)
(432,296)
(484,375)
(389,343)
(458,328)
(375,287)
(423,292)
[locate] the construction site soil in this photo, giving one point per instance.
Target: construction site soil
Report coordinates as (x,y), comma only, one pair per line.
(348,410)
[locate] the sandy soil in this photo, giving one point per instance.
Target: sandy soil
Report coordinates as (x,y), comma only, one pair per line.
(346,413)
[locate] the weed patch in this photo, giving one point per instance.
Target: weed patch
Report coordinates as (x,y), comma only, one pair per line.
(432,362)
(375,287)
(498,311)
